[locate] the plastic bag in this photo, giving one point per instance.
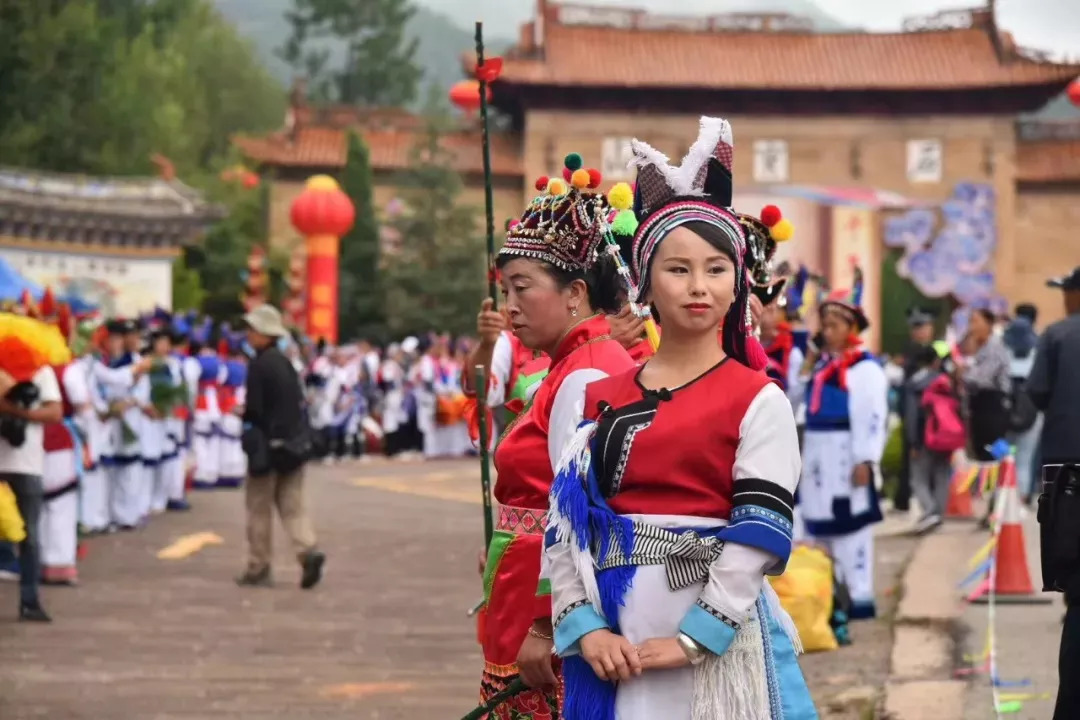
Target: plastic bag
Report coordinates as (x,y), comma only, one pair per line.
(12,527)
(806,592)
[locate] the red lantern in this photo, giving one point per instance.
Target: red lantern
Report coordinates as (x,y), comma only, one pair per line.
(1073,92)
(251,180)
(320,211)
(466,95)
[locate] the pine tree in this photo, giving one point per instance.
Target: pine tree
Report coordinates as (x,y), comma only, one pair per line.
(378,67)
(437,279)
(360,307)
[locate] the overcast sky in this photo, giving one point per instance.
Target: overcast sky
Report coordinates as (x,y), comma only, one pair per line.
(1041,24)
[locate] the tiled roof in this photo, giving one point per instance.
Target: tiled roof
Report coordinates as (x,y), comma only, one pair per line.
(1048,161)
(320,147)
(608,56)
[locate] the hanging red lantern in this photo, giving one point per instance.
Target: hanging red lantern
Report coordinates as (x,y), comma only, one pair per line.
(322,209)
(251,180)
(1073,92)
(466,95)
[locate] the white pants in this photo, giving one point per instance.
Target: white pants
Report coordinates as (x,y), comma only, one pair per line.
(854,557)
(59,532)
(176,475)
(162,479)
(125,498)
(207,449)
(232,462)
(94,499)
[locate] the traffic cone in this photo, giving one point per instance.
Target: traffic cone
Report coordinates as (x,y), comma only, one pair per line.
(1009,580)
(958,506)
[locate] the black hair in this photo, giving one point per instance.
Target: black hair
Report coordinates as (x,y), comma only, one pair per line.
(1027,310)
(987,315)
(607,293)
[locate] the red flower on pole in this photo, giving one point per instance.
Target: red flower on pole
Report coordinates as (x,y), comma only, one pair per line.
(489,70)
(322,209)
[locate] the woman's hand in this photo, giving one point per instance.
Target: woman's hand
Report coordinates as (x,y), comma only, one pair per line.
(861,475)
(612,657)
(756,308)
(534,660)
(626,327)
(482,561)
(662,654)
(489,323)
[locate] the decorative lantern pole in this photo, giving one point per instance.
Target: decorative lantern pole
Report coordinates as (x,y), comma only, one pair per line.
(322,214)
(255,280)
(294,300)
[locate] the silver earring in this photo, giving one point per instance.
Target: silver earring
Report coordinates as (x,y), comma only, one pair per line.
(573,311)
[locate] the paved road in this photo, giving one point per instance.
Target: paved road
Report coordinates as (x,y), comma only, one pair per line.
(384,637)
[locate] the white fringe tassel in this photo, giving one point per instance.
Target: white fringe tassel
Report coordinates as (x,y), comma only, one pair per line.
(733,686)
(577,451)
(712,132)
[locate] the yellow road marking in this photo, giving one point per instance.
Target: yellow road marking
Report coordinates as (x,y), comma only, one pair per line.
(354,691)
(189,545)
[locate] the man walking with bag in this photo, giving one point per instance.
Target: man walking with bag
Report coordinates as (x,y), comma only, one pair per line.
(277,442)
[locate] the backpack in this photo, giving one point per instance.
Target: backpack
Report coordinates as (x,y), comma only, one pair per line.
(1022,410)
(944,432)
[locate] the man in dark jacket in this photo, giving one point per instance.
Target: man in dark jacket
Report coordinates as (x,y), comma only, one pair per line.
(921,328)
(277,443)
(1054,387)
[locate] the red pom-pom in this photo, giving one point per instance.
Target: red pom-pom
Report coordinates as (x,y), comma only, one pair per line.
(595,178)
(770,215)
(541,183)
(567,173)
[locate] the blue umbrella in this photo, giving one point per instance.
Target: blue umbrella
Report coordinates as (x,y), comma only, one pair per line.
(12,283)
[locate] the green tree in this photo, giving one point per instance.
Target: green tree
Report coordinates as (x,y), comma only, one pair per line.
(437,278)
(378,66)
(187,289)
(360,298)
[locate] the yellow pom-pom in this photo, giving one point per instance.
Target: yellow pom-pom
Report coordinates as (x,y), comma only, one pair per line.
(322,183)
(782,231)
(580,179)
(621,197)
(556,187)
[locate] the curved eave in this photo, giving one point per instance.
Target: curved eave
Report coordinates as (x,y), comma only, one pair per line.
(978,100)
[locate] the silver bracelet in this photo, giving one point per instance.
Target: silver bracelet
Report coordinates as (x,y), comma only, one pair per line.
(695,651)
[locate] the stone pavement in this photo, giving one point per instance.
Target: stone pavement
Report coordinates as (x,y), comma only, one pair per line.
(385,636)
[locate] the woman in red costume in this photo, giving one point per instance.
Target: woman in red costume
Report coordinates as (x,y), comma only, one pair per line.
(558,283)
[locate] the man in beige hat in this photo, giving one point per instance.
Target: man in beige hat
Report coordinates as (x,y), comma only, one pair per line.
(277,442)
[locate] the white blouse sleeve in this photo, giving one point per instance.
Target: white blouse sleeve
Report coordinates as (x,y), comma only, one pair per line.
(502,361)
(567,410)
(796,384)
(868,407)
(757,540)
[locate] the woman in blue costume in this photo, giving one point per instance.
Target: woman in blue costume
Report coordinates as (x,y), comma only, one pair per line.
(669,511)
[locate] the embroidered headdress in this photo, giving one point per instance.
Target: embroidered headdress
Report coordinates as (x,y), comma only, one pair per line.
(762,235)
(699,190)
(566,223)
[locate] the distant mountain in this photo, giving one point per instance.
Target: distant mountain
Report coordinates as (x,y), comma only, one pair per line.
(441,39)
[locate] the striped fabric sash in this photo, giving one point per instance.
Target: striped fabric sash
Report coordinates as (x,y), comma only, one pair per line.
(521,521)
(686,554)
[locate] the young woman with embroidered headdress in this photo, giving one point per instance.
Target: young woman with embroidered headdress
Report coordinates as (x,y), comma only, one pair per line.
(846,415)
(669,510)
(558,283)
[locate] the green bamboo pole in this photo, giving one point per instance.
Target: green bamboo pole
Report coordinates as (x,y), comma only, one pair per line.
(489,202)
(515,687)
(485,443)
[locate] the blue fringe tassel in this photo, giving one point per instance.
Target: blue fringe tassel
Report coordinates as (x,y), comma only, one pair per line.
(587,696)
(595,526)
